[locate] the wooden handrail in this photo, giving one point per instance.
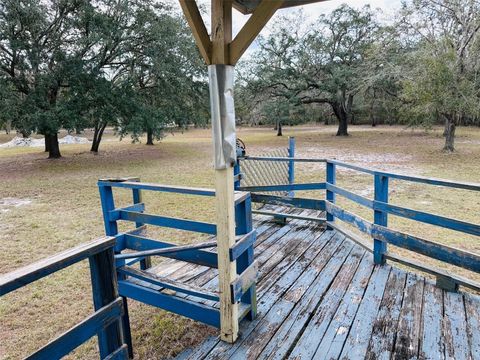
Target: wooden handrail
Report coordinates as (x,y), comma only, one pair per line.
(30,273)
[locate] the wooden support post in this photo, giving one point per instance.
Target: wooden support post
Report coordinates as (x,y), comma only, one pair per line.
(291,163)
(224,186)
(105,290)
(330,195)
(111,229)
(380,217)
(226,239)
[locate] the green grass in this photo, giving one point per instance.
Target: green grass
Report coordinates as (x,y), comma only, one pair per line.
(65,211)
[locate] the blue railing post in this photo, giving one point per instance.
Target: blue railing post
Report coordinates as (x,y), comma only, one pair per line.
(330,195)
(243,215)
(105,290)
(111,229)
(291,163)
(236,172)
(137,199)
(108,204)
(380,217)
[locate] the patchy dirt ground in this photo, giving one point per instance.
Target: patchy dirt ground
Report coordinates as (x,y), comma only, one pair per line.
(50,205)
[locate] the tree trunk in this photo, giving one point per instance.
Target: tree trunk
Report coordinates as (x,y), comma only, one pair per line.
(51,136)
(348,109)
(47,143)
(97,136)
(445,127)
(449,134)
(342,117)
(25,133)
(279,129)
(372,108)
(149,137)
(53,147)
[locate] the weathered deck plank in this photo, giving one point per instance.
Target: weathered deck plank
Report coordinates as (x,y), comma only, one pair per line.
(456,342)
(385,326)
(409,327)
(297,289)
(264,332)
(432,344)
(320,296)
(305,348)
(358,338)
(473,324)
(333,340)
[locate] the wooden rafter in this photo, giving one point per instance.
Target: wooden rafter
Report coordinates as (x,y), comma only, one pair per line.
(195,21)
(252,28)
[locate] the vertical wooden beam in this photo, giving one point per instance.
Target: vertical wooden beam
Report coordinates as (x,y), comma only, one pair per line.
(224,186)
(111,229)
(104,289)
(221,31)
(195,21)
(380,217)
(225,240)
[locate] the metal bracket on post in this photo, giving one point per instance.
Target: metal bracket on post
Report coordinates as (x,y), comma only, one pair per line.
(380,217)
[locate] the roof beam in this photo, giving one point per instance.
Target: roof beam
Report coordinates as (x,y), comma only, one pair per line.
(252,28)
(195,21)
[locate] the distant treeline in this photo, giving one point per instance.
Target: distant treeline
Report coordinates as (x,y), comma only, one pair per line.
(130,64)
(420,68)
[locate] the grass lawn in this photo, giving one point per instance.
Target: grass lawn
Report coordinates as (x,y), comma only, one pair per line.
(50,205)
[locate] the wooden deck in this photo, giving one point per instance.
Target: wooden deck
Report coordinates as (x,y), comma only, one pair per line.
(321,297)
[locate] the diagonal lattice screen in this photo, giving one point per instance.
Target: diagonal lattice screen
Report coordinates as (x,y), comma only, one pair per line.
(258,173)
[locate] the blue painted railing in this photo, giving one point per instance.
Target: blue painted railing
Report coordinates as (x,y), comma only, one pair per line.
(379,230)
(145,286)
(105,322)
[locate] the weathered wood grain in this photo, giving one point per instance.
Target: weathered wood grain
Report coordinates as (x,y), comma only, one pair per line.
(409,326)
(472,308)
(385,325)
(380,312)
(455,327)
(357,342)
(432,343)
(323,312)
(338,330)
